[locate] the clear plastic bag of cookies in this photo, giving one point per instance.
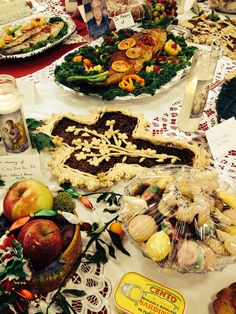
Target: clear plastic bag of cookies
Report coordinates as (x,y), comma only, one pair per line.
(182,218)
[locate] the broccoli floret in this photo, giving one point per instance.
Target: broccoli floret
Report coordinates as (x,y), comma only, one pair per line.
(64,202)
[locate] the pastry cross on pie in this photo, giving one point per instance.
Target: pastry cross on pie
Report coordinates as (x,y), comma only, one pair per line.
(108,145)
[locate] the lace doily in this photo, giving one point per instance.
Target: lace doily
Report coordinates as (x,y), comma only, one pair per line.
(167,123)
(89,278)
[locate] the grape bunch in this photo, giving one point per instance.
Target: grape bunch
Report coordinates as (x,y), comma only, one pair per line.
(162,8)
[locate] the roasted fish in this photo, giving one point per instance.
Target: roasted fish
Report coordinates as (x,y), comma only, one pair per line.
(50,30)
(148,42)
(20,39)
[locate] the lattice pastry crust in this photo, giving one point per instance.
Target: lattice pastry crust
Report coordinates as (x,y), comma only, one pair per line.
(98,149)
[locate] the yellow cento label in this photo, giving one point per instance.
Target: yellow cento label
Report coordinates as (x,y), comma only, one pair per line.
(136,294)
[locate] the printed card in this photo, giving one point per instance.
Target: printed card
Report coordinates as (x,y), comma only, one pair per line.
(221,138)
(15,168)
(124,20)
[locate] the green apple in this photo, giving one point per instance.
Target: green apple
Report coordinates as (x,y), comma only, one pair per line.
(26,197)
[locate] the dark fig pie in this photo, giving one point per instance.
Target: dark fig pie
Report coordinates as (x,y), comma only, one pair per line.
(108,145)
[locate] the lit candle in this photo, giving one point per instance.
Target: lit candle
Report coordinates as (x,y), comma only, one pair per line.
(197,88)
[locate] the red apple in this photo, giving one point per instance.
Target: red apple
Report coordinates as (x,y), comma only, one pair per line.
(26,197)
(41,240)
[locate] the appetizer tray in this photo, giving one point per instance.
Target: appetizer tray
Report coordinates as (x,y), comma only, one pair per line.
(182,218)
(31,36)
(90,70)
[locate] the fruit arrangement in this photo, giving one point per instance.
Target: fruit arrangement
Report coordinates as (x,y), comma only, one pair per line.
(163,8)
(46,231)
(182,218)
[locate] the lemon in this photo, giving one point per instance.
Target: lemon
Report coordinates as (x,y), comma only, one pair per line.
(133,53)
(2,43)
(158,246)
(228,198)
(126,44)
(120,66)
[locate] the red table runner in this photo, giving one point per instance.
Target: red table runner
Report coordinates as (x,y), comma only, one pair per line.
(23,67)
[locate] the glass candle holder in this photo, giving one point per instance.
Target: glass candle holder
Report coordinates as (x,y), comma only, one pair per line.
(12,123)
(197,88)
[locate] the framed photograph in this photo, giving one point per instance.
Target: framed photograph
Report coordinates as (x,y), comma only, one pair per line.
(96,17)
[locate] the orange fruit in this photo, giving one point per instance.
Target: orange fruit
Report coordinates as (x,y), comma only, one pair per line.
(116,227)
(126,44)
(8,38)
(77,59)
(120,66)
(133,53)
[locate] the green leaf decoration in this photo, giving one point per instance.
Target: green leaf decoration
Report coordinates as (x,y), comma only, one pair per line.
(60,300)
(99,230)
(110,211)
(77,293)
(226,101)
(117,242)
(100,255)
(102,197)
(41,141)
(213,16)
(6,299)
(46,213)
(33,124)
(111,249)
(163,23)
(72,192)
(2,183)
(110,197)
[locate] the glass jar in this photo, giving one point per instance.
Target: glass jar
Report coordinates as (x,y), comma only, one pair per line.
(13,129)
(197,88)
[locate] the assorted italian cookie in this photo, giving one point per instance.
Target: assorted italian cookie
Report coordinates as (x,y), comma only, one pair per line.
(96,150)
(182,218)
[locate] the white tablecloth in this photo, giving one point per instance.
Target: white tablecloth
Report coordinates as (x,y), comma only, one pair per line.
(42,97)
